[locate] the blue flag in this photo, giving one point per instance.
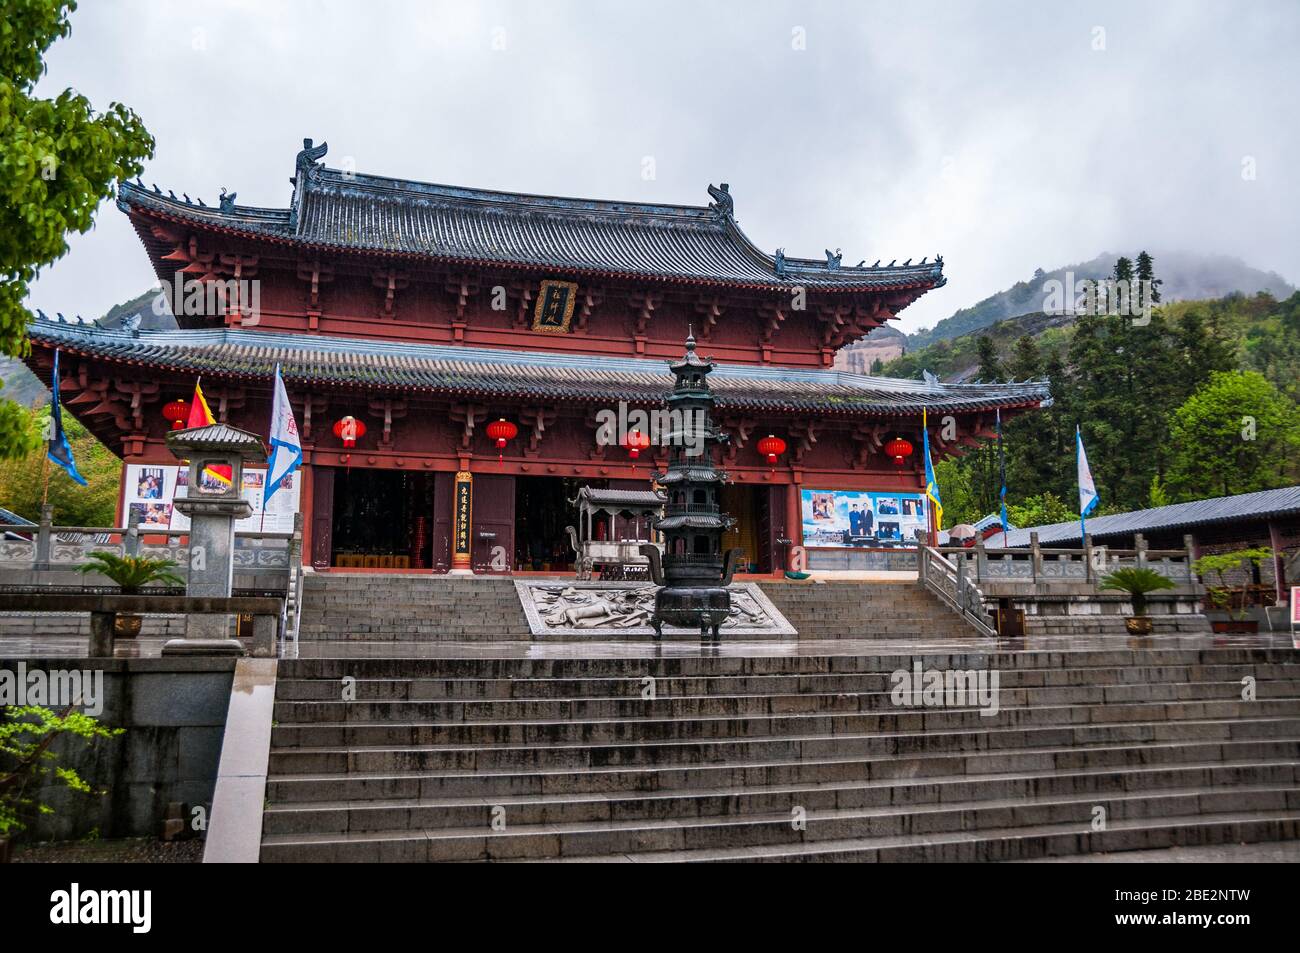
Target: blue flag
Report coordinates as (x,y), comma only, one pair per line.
(931,484)
(58,449)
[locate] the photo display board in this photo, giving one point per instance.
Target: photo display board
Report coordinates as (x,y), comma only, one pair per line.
(151,490)
(862,518)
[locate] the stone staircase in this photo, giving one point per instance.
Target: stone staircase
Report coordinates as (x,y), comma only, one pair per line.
(370,607)
(367,607)
(857,610)
(779,757)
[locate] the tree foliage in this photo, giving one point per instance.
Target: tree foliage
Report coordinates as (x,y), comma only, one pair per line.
(59,159)
(1236,434)
(21,478)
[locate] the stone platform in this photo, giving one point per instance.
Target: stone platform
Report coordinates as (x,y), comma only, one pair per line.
(603,610)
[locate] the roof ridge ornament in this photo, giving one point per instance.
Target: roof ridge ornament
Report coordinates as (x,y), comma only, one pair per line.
(308,158)
(779,261)
(833,259)
(227,200)
(723,205)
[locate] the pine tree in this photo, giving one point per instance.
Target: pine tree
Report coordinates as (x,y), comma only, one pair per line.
(1146,272)
(990,368)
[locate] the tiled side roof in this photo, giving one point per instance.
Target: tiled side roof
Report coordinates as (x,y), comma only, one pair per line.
(334,209)
(444,369)
(1245,506)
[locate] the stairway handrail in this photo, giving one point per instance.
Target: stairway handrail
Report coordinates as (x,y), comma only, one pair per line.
(966,598)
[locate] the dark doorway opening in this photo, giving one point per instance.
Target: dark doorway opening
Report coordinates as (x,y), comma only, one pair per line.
(751,508)
(383,519)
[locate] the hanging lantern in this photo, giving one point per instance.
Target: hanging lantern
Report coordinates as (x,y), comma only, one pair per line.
(771,447)
(502,431)
(349,430)
(636,442)
(177,413)
(899,449)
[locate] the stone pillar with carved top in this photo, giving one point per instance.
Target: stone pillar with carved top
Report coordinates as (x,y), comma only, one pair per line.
(216,455)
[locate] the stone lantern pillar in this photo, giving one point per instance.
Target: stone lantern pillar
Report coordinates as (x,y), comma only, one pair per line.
(217,454)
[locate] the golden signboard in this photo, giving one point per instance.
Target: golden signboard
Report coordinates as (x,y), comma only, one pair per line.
(554,311)
(464,514)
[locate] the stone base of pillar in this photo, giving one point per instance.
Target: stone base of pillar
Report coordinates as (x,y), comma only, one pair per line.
(460,572)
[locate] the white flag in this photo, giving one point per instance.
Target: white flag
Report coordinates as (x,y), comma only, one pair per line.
(286,446)
(1087,489)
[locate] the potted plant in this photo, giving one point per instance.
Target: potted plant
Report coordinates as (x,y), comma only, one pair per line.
(132,574)
(1137,581)
(1221,596)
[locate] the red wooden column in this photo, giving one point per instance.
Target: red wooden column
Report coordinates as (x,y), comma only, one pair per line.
(794,517)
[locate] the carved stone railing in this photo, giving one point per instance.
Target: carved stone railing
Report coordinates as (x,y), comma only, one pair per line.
(949,581)
(46,548)
(1037,565)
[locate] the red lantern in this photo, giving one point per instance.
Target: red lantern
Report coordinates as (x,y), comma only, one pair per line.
(502,431)
(349,430)
(899,449)
(771,447)
(636,442)
(177,413)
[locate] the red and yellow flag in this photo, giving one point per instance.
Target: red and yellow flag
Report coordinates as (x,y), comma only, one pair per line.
(201,416)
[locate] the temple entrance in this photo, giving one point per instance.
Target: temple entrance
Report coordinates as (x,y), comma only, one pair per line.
(382,519)
(542,511)
(751,507)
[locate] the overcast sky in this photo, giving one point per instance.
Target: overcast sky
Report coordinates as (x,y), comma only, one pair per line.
(1004,136)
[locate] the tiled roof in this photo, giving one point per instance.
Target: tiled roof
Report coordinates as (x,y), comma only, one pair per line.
(446,369)
(218,437)
(632,498)
(697,244)
(1220,509)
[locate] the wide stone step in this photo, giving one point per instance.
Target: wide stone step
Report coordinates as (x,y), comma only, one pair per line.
(414,813)
(367,708)
(666,665)
(1007,844)
(289,687)
(781,829)
(648,729)
(788,746)
(354,783)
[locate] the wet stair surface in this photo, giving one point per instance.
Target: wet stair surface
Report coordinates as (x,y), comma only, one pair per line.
(799,757)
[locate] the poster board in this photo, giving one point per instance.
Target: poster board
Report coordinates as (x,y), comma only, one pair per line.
(850,519)
(151,490)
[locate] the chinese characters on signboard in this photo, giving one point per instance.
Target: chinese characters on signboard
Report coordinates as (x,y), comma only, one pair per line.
(555,301)
(464,509)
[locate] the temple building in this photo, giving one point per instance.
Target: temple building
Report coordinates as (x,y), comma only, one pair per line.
(455,357)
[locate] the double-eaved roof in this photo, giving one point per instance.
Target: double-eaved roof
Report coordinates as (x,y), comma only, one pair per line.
(493,373)
(334,209)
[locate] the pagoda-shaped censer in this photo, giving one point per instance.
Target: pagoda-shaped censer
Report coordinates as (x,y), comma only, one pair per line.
(694,573)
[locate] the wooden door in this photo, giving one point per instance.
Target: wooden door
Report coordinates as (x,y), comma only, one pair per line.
(492,543)
(322,516)
(443,488)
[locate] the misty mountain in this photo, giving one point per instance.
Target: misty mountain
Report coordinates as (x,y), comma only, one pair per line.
(1186,276)
(24,387)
